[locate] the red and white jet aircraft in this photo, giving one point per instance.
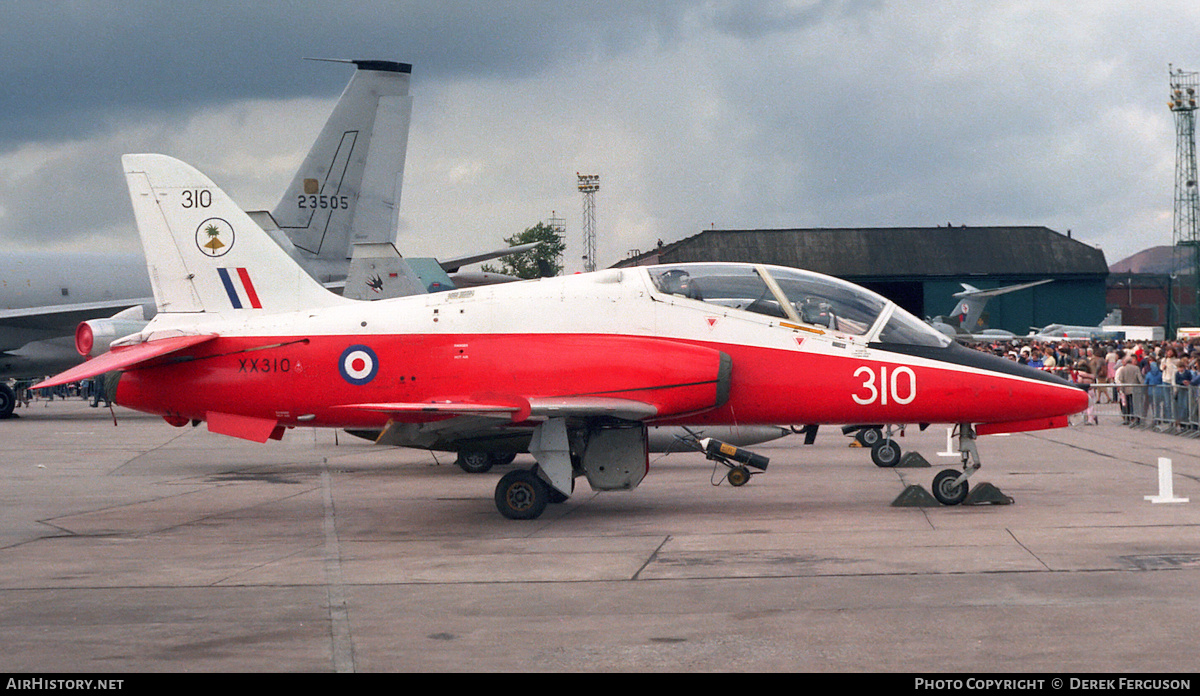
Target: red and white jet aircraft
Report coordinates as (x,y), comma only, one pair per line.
(249,343)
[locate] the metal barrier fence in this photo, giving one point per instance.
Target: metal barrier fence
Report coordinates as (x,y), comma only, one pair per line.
(1164,408)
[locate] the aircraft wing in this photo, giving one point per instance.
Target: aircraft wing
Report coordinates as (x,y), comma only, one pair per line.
(519,409)
(451,265)
(56,317)
(122,357)
(970,291)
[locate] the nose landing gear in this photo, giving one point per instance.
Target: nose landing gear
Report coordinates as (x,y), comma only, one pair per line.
(949,486)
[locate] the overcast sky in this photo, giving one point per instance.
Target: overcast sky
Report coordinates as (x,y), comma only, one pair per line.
(728,114)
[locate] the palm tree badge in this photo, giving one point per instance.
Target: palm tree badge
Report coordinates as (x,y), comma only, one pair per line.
(214,237)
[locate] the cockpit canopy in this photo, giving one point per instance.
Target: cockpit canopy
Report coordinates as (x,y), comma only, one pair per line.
(797,296)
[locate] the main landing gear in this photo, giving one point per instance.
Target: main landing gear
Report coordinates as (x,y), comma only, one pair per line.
(949,486)
(612,456)
(522,494)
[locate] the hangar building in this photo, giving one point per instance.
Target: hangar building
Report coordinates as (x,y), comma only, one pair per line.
(920,268)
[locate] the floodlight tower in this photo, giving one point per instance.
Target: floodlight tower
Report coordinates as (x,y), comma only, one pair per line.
(1186,232)
(589,184)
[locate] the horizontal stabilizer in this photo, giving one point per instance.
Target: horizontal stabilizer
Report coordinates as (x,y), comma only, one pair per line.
(124,357)
(245,427)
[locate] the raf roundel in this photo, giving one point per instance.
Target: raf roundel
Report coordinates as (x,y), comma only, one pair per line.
(358,364)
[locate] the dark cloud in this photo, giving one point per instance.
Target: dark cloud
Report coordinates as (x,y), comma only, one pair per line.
(67,67)
(753,19)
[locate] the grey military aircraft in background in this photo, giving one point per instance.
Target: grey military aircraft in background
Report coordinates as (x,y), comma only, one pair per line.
(1069,332)
(963,322)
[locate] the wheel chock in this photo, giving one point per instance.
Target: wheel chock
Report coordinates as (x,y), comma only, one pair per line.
(913,460)
(915,496)
(986,494)
(855,443)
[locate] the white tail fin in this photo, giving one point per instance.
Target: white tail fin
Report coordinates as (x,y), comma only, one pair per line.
(204,253)
(347,190)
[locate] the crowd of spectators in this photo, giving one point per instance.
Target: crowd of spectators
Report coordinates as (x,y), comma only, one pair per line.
(1162,371)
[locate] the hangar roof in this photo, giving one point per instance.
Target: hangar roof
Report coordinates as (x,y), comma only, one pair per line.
(893,252)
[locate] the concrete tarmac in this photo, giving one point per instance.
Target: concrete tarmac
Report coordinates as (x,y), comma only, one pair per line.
(146,548)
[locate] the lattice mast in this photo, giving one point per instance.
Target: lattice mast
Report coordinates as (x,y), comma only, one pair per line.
(554,222)
(1186,228)
(559,225)
(589,184)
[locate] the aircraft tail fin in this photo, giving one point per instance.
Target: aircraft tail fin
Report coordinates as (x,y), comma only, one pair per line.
(378,272)
(971,302)
(205,254)
(347,190)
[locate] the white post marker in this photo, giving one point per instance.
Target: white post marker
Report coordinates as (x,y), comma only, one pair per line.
(1166,488)
(950,451)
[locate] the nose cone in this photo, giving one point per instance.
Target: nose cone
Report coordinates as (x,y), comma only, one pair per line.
(1057,396)
(1023,391)
(984,388)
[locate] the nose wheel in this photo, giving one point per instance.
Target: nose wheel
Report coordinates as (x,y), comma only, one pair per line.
(947,488)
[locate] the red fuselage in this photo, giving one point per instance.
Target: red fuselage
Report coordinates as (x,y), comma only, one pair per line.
(311,380)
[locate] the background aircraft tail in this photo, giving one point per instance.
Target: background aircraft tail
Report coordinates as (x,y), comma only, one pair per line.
(205,254)
(347,191)
(378,272)
(970,302)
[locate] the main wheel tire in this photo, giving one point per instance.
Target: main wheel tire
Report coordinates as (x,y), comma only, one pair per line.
(944,489)
(885,453)
(521,495)
(474,462)
(867,437)
(8,401)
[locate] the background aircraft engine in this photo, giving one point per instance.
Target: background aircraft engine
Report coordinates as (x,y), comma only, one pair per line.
(93,337)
